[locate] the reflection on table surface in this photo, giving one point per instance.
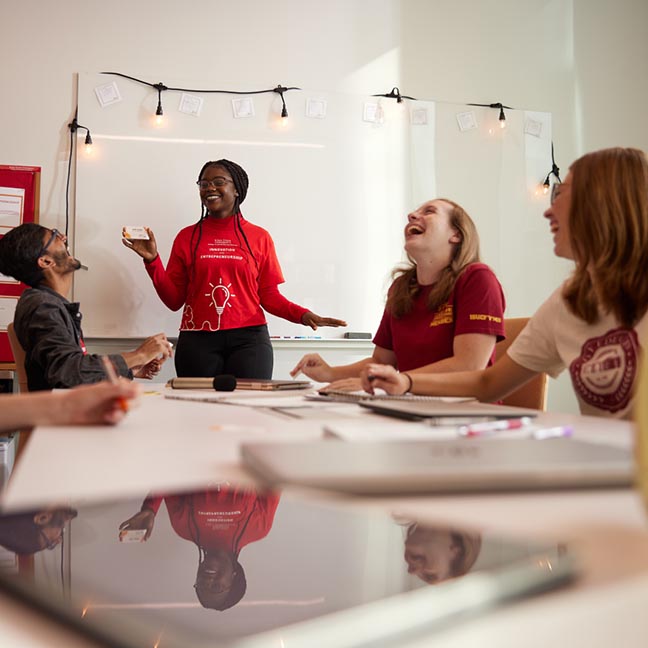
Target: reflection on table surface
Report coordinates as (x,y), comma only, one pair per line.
(225,562)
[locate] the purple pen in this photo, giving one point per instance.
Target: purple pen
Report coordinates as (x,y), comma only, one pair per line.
(553,432)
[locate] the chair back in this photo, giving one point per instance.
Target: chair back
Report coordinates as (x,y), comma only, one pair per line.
(19,359)
(534,393)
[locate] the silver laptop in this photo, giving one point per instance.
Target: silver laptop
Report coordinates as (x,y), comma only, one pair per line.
(460,465)
(417,410)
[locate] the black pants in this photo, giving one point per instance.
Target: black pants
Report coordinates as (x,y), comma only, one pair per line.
(244,353)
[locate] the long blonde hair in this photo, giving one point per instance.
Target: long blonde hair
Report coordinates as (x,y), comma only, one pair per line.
(608,222)
(405,287)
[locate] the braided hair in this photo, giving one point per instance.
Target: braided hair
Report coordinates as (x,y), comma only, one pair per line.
(241,184)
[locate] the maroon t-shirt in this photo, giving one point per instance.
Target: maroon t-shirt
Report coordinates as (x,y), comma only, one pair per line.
(421,337)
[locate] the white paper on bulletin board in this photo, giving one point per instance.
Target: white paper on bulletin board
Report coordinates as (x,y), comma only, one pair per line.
(12,201)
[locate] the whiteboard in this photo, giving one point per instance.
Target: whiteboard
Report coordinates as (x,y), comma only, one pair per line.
(333,192)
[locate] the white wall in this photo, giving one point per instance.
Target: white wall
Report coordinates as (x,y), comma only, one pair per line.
(581,60)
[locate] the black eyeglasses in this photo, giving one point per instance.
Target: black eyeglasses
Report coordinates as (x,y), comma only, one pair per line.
(51,544)
(216,182)
(555,192)
(55,234)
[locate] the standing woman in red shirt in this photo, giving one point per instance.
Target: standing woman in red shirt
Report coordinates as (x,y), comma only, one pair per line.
(224,271)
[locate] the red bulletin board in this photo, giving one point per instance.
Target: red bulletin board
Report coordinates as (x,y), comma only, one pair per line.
(19,203)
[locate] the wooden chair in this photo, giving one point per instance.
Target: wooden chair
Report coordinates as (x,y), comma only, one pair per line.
(19,359)
(534,393)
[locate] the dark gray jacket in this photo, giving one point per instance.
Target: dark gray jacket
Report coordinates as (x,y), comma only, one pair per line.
(48,327)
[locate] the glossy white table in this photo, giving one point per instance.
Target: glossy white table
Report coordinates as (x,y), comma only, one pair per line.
(174,444)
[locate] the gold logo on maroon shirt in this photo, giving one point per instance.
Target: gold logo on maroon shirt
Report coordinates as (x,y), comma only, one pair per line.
(484,317)
(443,316)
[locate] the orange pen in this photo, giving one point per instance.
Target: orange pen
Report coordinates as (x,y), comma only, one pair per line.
(112,376)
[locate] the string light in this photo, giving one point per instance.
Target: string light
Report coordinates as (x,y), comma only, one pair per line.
(284,111)
(159,113)
(161,87)
(546,185)
(74,127)
(88,144)
(502,115)
(395,93)
(555,171)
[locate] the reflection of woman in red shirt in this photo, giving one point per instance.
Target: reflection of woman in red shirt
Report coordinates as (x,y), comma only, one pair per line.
(220,522)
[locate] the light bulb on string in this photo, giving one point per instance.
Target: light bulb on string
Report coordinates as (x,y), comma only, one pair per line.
(159,113)
(88,144)
(502,118)
(74,127)
(283,118)
(394,93)
(283,121)
(555,171)
(546,185)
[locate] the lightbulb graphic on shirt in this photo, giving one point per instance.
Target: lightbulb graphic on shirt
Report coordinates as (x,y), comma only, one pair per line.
(220,296)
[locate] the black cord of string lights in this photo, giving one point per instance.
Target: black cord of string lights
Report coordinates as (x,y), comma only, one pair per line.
(394,93)
(502,117)
(74,127)
(67,184)
(555,171)
(161,87)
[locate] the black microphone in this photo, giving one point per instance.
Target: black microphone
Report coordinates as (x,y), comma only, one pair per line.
(225,382)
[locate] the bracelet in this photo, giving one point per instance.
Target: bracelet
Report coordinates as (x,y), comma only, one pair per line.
(409,388)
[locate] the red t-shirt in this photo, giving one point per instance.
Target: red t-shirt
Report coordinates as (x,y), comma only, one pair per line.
(227,519)
(475,305)
(225,289)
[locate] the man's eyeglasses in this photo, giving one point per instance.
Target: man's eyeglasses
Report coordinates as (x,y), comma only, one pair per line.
(51,544)
(55,234)
(216,182)
(555,192)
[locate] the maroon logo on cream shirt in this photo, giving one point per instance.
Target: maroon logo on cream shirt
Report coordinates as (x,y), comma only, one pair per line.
(604,373)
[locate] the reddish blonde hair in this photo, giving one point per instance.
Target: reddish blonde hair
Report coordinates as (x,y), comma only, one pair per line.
(608,222)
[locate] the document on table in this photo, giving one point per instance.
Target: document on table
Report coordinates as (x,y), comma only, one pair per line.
(374,431)
(244,398)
